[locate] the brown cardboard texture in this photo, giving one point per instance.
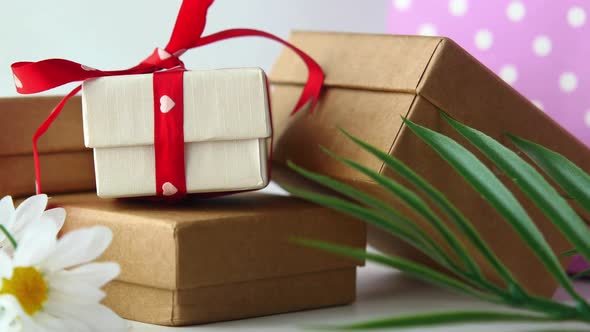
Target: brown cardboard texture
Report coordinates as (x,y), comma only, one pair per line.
(66,165)
(374,80)
(208,260)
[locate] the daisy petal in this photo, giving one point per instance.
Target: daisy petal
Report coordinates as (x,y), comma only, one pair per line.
(51,323)
(79,247)
(5,266)
(94,274)
(6,211)
(37,243)
(23,319)
(75,325)
(96,316)
(74,291)
(57,216)
(11,310)
(28,211)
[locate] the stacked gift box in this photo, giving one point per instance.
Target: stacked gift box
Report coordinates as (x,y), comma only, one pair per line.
(197,258)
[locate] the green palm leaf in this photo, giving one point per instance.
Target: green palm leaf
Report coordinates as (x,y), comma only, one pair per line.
(565,173)
(482,179)
(441,318)
(530,181)
(414,269)
(418,234)
(419,206)
(365,214)
(443,203)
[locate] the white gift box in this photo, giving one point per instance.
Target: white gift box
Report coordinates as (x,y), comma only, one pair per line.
(226,126)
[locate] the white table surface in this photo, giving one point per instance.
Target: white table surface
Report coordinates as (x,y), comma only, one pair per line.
(381,293)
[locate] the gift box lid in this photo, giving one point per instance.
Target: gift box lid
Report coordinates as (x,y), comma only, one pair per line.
(366,73)
(224,104)
(21,116)
(360,61)
(202,243)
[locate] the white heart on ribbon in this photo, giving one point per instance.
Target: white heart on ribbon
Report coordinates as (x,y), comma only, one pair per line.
(180,52)
(87,68)
(163,54)
(166,104)
(169,189)
(17,82)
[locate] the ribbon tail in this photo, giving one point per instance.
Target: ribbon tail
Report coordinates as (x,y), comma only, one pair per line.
(42,129)
(311,90)
(315,79)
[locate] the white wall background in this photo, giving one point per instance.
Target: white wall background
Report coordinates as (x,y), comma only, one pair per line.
(116,34)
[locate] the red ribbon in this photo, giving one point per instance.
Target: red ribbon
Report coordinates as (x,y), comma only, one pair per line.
(169,133)
(34,77)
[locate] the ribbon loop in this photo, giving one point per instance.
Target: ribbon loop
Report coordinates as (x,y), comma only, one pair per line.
(163,60)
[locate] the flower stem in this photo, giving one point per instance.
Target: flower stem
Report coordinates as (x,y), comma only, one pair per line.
(9,236)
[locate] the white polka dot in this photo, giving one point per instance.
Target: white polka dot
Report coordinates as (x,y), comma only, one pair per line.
(427,30)
(402,5)
(576,17)
(542,46)
(587,118)
(538,104)
(509,73)
(484,39)
(568,82)
(458,7)
(516,11)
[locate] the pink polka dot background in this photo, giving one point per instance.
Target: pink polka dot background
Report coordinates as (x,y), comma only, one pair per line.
(540,47)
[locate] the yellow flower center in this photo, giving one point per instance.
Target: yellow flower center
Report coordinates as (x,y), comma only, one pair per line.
(29,288)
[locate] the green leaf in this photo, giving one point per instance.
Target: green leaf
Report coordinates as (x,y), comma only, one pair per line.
(568,253)
(414,269)
(419,206)
(493,190)
(565,173)
(582,274)
(443,203)
(432,248)
(362,213)
(8,236)
(442,318)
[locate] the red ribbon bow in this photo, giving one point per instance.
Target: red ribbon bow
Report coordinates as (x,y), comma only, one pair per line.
(34,77)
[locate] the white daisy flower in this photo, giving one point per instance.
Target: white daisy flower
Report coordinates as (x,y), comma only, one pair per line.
(54,283)
(29,212)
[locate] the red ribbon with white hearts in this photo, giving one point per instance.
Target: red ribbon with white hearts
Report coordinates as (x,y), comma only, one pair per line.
(34,77)
(169,133)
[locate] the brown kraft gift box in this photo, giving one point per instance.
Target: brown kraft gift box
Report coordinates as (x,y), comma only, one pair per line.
(66,165)
(203,261)
(374,80)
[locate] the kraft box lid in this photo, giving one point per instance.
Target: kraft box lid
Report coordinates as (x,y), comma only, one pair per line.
(219,259)
(374,80)
(66,164)
(21,116)
(213,241)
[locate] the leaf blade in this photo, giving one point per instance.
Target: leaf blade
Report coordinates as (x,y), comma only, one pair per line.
(442,318)
(437,253)
(442,202)
(359,212)
(530,181)
(419,206)
(414,269)
(565,173)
